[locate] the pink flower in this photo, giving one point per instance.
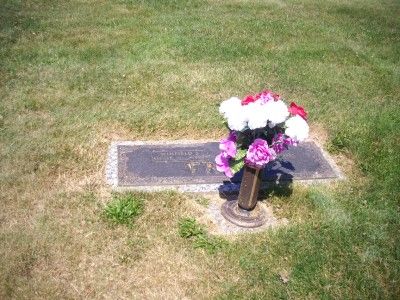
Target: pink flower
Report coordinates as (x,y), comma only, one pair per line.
(267,95)
(228,147)
(228,151)
(259,154)
(225,142)
(248,99)
(294,109)
(264,96)
(222,162)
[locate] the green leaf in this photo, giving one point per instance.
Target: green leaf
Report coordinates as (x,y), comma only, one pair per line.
(236,165)
(237,162)
(240,154)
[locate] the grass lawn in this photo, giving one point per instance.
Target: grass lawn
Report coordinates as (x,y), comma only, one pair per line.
(76,75)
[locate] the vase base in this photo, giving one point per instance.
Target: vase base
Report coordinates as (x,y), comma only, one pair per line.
(241,217)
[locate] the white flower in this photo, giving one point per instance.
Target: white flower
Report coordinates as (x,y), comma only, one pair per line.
(254,115)
(257,115)
(237,119)
(229,105)
(277,112)
(297,128)
(234,113)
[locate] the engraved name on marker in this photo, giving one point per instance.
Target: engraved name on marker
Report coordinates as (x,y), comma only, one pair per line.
(160,155)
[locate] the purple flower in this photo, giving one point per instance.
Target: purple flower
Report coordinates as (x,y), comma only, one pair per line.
(228,151)
(259,154)
(281,143)
(290,142)
(229,145)
(222,162)
(232,136)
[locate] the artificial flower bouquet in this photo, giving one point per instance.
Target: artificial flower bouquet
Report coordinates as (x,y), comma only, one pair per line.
(261,127)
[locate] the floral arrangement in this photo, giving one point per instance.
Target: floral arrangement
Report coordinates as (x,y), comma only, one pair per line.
(261,127)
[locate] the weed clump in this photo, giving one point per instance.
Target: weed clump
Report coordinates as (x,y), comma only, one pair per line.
(190,229)
(123,209)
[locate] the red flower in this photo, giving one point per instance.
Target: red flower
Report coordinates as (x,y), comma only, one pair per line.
(263,93)
(248,99)
(276,96)
(294,109)
(266,95)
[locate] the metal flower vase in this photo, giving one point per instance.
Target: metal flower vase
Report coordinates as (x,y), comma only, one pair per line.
(244,211)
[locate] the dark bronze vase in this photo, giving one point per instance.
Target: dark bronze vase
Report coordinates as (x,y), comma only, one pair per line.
(244,211)
(249,188)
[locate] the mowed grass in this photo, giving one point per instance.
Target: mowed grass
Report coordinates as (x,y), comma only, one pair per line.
(76,75)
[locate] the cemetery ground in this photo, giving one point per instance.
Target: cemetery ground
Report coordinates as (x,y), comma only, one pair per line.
(77,75)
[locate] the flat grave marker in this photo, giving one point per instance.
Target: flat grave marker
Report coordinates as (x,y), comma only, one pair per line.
(190,166)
